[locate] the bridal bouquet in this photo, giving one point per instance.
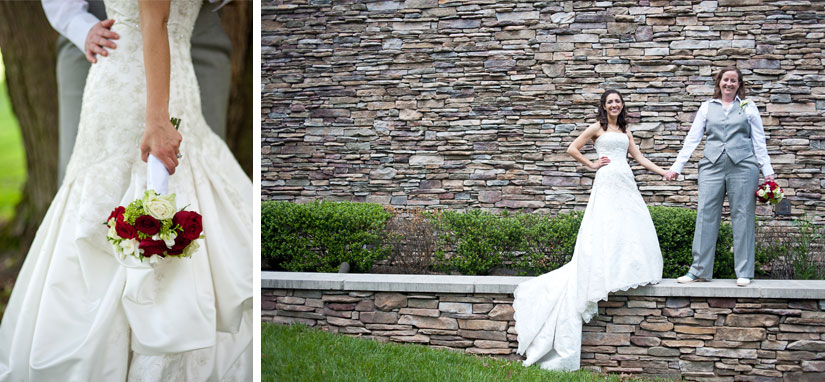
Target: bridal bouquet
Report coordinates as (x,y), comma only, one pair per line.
(150,228)
(769,192)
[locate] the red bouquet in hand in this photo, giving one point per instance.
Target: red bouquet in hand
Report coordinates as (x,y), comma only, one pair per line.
(151,228)
(770,192)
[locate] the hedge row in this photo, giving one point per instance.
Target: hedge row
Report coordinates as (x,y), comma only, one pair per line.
(319,236)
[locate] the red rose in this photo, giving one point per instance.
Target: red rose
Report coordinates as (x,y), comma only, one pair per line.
(152,247)
(147,225)
(117,214)
(180,245)
(124,229)
(191,222)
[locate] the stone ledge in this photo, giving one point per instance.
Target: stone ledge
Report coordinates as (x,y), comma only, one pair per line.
(791,289)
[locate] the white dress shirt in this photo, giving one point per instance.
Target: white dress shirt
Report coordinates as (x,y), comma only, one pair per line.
(71,19)
(697,131)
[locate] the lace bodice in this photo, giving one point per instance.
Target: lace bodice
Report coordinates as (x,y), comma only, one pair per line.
(612,145)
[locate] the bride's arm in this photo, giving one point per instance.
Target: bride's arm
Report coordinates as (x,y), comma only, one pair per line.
(637,155)
(159,136)
(580,141)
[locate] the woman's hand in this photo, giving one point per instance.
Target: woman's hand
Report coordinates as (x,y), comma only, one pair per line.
(599,163)
(770,178)
(161,140)
(99,38)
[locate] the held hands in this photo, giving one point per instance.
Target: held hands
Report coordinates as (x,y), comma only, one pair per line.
(161,140)
(599,163)
(671,175)
(98,38)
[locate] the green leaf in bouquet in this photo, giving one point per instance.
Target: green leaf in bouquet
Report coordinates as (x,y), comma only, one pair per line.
(175,122)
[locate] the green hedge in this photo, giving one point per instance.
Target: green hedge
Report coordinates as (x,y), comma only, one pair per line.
(675,228)
(319,236)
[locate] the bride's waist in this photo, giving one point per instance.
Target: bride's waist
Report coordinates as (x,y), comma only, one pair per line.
(615,159)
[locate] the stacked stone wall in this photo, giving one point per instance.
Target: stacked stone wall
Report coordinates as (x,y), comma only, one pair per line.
(693,338)
(467,104)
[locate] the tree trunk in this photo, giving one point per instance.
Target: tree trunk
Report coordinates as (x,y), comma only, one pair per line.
(28,45)
(236,19)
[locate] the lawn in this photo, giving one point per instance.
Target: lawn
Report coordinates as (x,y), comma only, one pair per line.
(12,154)
(299,353)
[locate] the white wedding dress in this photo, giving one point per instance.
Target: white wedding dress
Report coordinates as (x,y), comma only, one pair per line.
(78,312)
(616,249)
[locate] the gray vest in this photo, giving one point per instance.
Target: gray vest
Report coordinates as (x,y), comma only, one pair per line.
(730,134)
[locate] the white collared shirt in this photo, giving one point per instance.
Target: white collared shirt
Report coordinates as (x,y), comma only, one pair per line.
(71,19)
(697,131)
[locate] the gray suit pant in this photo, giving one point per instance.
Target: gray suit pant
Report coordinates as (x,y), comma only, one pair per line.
(739,181)
(212,59)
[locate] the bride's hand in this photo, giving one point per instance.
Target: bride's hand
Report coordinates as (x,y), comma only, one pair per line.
(161,140)
(599,163)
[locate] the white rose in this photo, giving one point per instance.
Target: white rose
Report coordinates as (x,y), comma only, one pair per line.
(129,246)
(761,193)
(191,248)
(160,207)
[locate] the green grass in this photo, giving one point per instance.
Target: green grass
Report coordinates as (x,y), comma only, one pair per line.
(299,353)
(12,155)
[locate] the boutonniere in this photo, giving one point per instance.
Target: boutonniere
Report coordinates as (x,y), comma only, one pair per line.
(742,106)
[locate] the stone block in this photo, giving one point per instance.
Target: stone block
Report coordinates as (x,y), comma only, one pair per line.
(740,334)
(483,335)
(328,298)
(694,329)
(487,344)
(645,341)
(489,196)
(656,326)
(815,366)
(683,343)
(695,366)
(503,312)
(337,321)
(418,338)
(726,353)
(517,16)
(459,23)
(774,345)
(379,317)
(482,308)
(389,301)
(817,346)
(659,351)
(482,325)
(600,339)
(420,312)
(429,322)
(740,320)
(795,355)
(681,312)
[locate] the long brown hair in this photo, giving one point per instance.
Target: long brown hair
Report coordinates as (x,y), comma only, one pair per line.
(621,121)
(717,91)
